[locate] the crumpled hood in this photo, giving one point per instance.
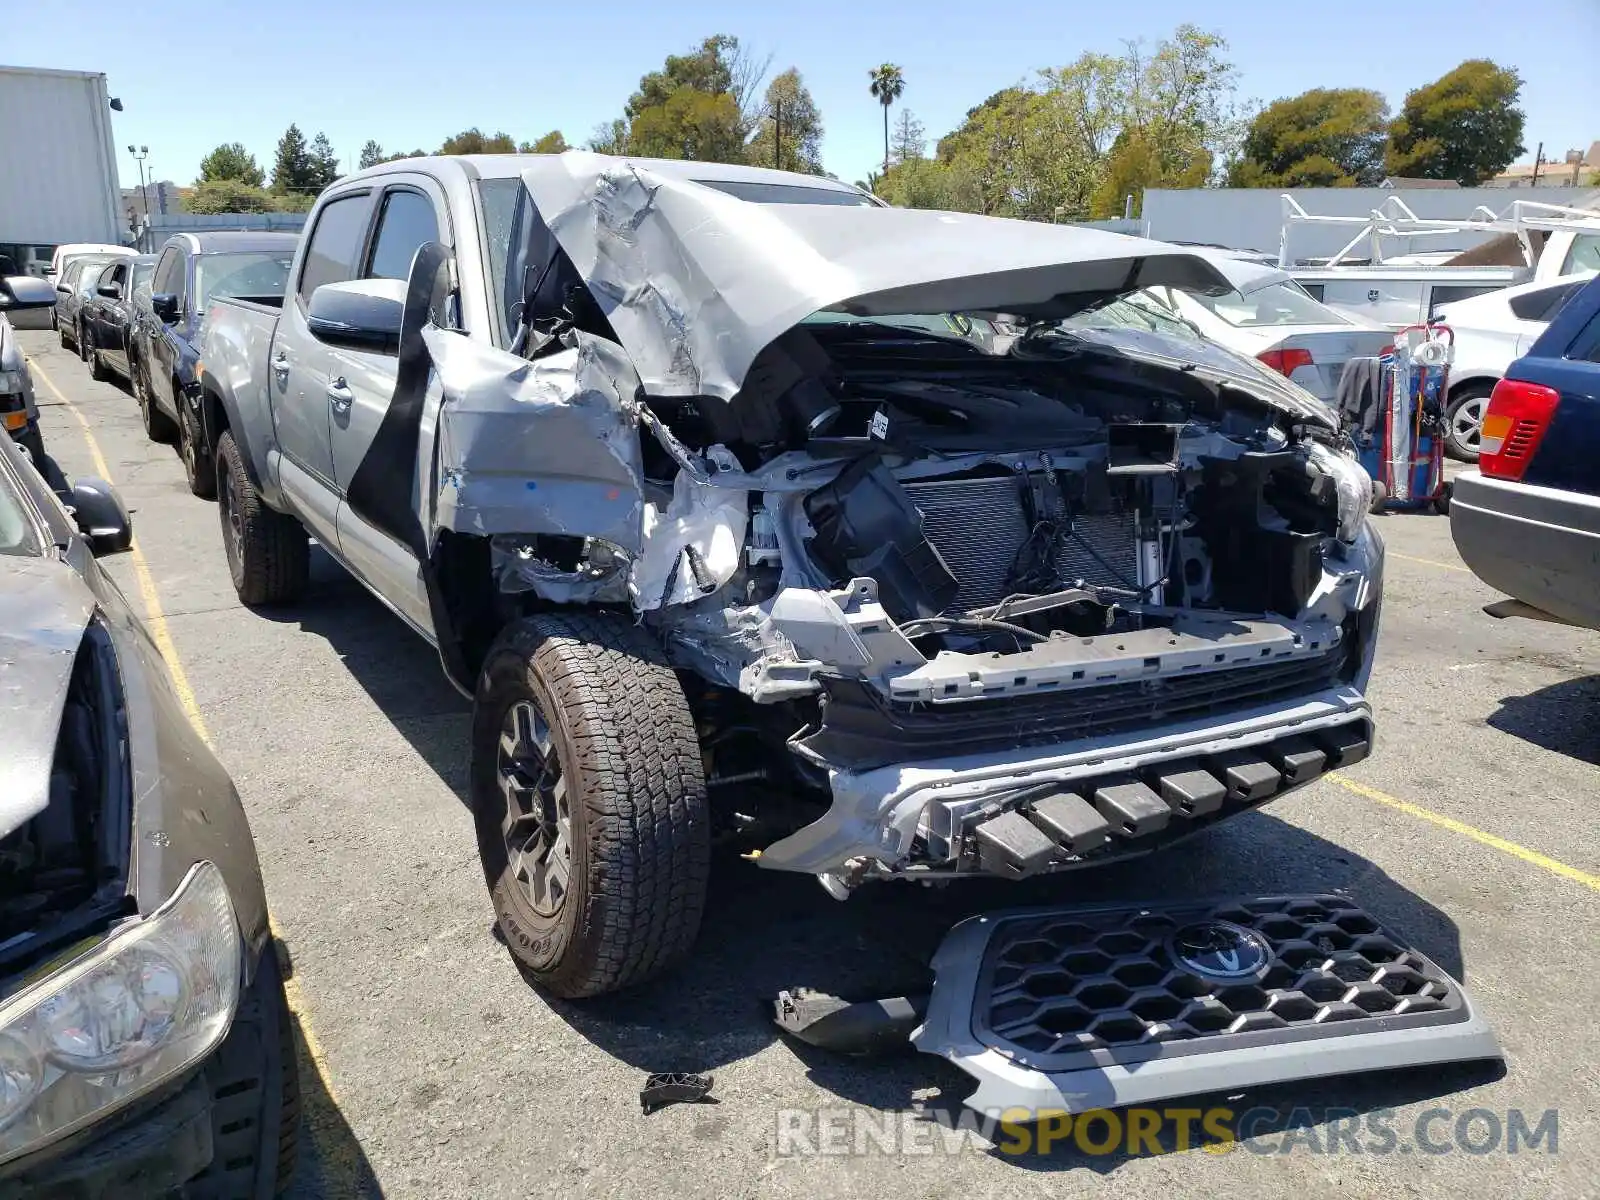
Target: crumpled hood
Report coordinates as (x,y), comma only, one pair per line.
(44,608)
(1209,360)
(696,283)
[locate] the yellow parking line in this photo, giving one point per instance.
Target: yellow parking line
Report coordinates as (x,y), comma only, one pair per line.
(156,621)
(1430,562)
(1542,861)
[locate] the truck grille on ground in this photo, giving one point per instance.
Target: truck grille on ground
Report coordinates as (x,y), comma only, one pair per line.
(1111,985)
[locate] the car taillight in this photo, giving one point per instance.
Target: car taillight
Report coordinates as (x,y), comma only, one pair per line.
(1513,426)
(1286,362)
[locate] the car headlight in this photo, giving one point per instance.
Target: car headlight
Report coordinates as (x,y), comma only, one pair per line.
(1353,485)
(150,1000)
(10,383)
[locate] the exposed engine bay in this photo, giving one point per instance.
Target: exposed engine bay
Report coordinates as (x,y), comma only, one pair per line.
(901,550)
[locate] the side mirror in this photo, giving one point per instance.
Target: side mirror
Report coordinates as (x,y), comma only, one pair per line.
(111,291)
(101,516)
(362,314)
(18,292)
(165,307)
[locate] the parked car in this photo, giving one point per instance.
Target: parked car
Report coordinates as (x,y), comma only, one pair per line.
(1490,331)
(19,411)
(721,534)
(108,316)
(1527,521)
(145,1046)
(62,255)
(74,285)
(1270,317)
(191,270)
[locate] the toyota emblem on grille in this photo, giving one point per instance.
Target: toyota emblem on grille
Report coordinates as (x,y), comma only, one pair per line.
(1220,950)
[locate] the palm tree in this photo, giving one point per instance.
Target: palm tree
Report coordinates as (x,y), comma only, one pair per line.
(887,84)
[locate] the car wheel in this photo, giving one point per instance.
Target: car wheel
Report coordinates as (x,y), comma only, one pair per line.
(1463,421)
(61,332)
(97,366)
(157,425)
(255,1097)
(589,802)
(198,467)
(268,555)
(80,336)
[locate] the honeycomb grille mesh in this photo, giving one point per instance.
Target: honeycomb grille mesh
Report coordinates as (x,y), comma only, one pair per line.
(978,525)
(1104,985)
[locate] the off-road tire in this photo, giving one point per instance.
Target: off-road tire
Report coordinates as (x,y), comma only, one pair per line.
(1453,445)
(269,558)
(199,468)
(158,427)
(641,848)
(255,1097)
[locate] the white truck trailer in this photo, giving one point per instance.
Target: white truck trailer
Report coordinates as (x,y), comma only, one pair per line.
(58,166)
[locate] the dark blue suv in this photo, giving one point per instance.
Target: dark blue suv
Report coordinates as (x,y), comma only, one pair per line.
(193,269)
(1528,520)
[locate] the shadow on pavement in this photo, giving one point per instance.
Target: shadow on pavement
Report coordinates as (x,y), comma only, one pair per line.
(331,1162)
(766,931)
(1564,718)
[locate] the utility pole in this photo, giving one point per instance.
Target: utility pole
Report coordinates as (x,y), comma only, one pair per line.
(1538,157)
(139,155)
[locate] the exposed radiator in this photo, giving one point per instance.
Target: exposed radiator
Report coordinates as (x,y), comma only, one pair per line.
(978,525)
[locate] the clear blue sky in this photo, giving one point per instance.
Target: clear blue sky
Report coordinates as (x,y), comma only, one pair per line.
(193,74)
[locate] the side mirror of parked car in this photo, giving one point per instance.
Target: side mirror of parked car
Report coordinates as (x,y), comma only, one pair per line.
(101,516)
(165,307)
(111,291)
(18,292)
(362,314)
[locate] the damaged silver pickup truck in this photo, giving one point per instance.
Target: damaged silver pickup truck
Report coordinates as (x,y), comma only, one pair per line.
(723,494)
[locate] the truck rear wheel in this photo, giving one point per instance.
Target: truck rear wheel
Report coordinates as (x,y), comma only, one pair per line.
(269,557)
(589,802)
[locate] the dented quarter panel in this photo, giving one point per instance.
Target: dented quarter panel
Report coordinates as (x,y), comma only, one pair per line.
(550,446)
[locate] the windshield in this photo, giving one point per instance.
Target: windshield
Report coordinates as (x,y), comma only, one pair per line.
(787,193)
(17,533)
(956,326)
(1275,304)
(253,273)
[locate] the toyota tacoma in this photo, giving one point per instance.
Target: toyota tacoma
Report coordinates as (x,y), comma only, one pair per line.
(744,505)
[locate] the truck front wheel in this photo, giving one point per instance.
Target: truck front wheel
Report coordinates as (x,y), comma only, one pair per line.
(268,555)
(589,802)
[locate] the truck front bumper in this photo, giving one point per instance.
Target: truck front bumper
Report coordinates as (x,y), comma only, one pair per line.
(916,818)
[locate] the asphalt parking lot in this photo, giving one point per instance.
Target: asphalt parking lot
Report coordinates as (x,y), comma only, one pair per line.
(432,1069)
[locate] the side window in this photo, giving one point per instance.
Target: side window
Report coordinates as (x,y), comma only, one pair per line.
(335,243)
(166,267)
(406,222)
(1584,257)
(1544,303)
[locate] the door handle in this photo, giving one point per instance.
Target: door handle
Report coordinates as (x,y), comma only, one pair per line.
(340,397)
(280,366)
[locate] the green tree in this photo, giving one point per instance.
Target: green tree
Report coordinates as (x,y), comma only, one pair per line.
(888,85)
(909,139)
(1464,126)
(371,155)
(550,143)
(473,141)
(236,196)
(231,161)
(292,168)
(324,163)
(791,136)
(700,105)
(1327,137)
